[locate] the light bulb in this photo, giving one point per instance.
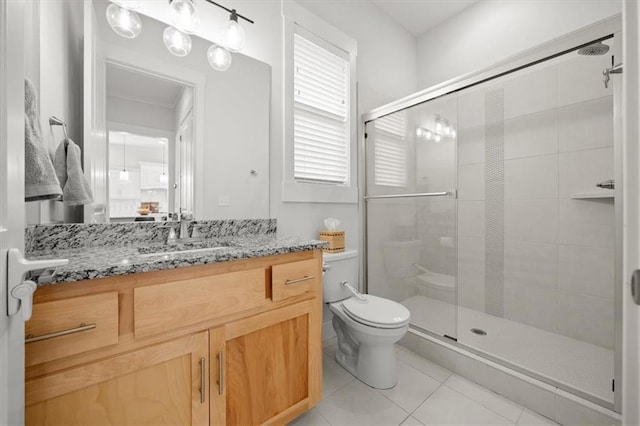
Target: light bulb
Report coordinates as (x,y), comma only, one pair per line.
(128,4)
(447,130)
(177,42)
(124,22)
(219,58)
(429,135)
(437,138)
(419,131)
(233,35)
(164,178)
(438,126)
(124,175)
(453,132)
(184,16)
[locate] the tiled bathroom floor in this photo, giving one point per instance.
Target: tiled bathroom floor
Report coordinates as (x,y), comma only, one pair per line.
(426,394)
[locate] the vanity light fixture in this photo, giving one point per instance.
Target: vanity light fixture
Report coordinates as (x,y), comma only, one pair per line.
(123,21)
(124,174)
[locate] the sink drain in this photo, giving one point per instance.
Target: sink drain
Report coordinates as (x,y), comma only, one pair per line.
(479,331)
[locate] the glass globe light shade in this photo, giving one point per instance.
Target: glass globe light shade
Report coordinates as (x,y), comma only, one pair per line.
(184,16)
(233,36)
(429,135)
(124,176)
(419,131)
(128,4)
(176,42)
(437,138)
(219,58)
(124,22)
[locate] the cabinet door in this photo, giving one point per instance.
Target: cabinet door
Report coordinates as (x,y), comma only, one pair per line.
(164,384)
(273,365)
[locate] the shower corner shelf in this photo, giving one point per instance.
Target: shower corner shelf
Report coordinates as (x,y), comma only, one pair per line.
(592,195)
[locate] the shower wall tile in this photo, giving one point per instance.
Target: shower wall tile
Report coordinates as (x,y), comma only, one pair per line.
(587,223)
(535,306)
(587,318)
(580,79)
(531,178)
(530,263)
(471,218)
(471,182)
(580,171)
(588,270)
(531,92)
(470,145)
(586,125)
(532,220)
(471,273)
(531,135)
(471,109)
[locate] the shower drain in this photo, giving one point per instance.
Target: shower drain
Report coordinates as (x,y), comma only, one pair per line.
(479,331)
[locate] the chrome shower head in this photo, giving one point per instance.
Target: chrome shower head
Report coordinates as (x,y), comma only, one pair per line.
(595,49)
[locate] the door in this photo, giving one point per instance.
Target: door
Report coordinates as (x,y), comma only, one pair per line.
(631,184)
(270,366)
(163,384)
(11,203)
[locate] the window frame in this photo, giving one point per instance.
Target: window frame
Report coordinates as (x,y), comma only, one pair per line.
(298,20)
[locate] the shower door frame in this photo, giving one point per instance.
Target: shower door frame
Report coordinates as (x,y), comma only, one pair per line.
(601,30)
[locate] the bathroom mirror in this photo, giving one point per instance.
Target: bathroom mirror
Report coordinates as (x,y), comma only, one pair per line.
(170,134)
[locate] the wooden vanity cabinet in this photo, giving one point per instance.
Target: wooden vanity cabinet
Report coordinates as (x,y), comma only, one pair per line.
(223,362)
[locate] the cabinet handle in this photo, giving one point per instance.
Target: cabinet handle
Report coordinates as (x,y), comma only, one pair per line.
(299,280)
(220,372)
(81,327)
(203,391)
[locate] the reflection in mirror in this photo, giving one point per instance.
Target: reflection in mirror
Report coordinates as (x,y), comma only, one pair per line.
(149,128)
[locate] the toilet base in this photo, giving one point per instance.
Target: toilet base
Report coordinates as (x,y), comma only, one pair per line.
(371,359)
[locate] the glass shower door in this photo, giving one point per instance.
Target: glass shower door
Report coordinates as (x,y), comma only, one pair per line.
(411,212)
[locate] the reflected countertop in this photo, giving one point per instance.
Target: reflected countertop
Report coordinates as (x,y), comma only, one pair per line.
(98,262)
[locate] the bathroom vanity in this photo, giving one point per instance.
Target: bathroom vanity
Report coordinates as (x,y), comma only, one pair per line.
(233,339)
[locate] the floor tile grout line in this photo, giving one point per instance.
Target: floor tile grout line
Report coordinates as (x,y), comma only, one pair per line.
(451,373)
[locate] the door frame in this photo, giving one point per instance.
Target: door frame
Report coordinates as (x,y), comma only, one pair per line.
(12,208)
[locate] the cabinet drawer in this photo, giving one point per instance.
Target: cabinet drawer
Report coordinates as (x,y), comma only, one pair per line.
(66,327)
(162,307)
(294,279)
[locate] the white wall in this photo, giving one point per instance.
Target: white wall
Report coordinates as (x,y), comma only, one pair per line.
(128,111)
(493,30)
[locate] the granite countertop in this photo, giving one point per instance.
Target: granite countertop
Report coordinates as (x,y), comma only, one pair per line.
(99,262)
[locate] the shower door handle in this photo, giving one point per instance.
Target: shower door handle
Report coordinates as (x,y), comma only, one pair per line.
(635,286)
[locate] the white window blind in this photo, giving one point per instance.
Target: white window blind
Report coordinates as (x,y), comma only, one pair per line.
(390,150)
(320,114)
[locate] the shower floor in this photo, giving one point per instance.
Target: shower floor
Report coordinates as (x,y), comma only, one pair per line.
(565,361)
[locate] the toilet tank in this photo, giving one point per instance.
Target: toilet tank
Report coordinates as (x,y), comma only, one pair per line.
(339,267)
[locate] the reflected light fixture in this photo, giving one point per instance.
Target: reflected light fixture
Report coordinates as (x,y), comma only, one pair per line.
(124,174)
(234,36)
(176,42)
(126,23)
(163,177)
(219,58)
(128,4)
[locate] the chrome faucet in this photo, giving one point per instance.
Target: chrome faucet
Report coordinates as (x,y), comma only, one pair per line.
(185,219)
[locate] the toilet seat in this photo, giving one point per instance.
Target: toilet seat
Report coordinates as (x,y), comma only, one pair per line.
(376,312)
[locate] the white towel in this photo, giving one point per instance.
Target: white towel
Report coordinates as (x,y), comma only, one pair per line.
(67,162)
(40,181)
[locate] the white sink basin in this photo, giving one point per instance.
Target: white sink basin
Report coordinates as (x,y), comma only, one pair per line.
(168,253)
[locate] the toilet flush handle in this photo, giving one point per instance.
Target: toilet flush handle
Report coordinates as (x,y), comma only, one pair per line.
(354,291)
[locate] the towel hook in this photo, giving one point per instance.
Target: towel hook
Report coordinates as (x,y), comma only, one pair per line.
(55,121)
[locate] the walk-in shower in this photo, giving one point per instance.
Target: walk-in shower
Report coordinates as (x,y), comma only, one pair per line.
(484,217)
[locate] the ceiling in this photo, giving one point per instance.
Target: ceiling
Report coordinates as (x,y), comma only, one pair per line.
(420,16)
(141,87)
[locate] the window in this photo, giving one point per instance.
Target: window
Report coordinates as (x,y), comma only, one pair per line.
(390,150)
(320,139)
(320,114)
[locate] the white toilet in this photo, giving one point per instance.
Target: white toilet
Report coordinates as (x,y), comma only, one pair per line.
(367,326)
(436,286)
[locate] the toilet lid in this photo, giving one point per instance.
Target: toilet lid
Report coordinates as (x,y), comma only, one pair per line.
(376,311)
